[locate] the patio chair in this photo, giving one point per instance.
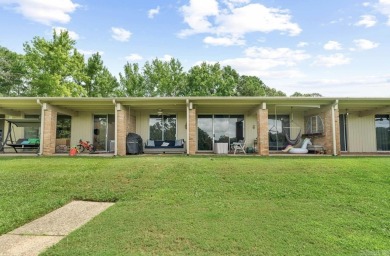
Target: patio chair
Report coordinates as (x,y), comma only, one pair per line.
(239,146)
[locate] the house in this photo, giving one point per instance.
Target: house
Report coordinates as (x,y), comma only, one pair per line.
(340,125)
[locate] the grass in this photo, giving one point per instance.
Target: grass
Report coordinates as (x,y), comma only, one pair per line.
(179,205)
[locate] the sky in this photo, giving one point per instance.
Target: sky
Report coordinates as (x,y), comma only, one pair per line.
(338,48)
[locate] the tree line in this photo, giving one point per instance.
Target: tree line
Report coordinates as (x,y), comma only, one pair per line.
(56,68)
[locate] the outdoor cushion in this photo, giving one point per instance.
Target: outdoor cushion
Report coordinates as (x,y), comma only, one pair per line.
(178,143)
(33,141)
(150,143)
(26,142)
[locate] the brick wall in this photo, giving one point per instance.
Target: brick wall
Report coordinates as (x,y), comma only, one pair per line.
(192,132)
(122,119)
(326,139)
(49,132)
(131,123)
(262,132)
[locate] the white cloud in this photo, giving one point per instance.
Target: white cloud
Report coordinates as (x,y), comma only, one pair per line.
(73,35)
(366,21)
(284,56)
(166,57)
(256,18)
(238,19)
(332,45)
(90,52)
(134,57)
(120,34)
(223,41)
(383,6)
(153,12)
(364,44)
(331,60)
(302,44)
(196,16)
(360,86)
(43,11)
(234,3)
(263,62)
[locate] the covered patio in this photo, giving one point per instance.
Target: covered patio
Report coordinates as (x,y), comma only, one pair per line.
(266,124)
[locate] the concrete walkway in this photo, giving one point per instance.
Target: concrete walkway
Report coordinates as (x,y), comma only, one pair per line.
(38,235)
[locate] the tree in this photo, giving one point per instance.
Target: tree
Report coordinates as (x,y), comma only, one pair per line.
(250,86)
(132,81)
(12,73)
(203,80)
(298,94)
(229,83)
(99,82)
(55,68)
(164,78)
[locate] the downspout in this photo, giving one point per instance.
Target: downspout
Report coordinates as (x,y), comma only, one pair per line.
(116,127)
(42,127)
(188,126)
(334,141)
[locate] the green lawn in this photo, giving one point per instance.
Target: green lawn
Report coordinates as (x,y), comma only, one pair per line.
(180,205)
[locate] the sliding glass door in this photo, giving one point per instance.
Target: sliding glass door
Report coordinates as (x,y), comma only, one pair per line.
(277,139)
(343,132)
(219,128)
(382,125)
(104,132)
(162,127)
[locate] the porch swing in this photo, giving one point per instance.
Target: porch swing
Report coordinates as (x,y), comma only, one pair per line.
(23,143)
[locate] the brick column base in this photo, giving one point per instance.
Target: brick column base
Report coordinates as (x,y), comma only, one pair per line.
(49,132)
(122,123)
(192,132)
(262,132)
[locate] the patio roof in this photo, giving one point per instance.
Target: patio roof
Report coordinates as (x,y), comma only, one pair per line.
(31,105)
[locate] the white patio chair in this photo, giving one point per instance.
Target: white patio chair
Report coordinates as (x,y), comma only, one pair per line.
(239,146)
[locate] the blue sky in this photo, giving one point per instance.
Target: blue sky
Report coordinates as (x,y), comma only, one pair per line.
(339,48)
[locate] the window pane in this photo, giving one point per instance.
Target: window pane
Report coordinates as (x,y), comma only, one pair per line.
(382,125)
(205,132)
(31,132)
(221,128)
(277,140)
(343,132)
(169,132)
(236,128)
(162,127)
(155,127)
(63,127)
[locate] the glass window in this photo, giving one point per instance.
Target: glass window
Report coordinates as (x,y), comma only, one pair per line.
(205,132)
(382,125)
(162,127)
(219,128)
(277,139)
(63,127)
(343,132)
(31,132)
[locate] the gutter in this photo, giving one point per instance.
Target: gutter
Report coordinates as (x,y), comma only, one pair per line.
(188,126)
(116,127)
(334,141)
(42,127)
